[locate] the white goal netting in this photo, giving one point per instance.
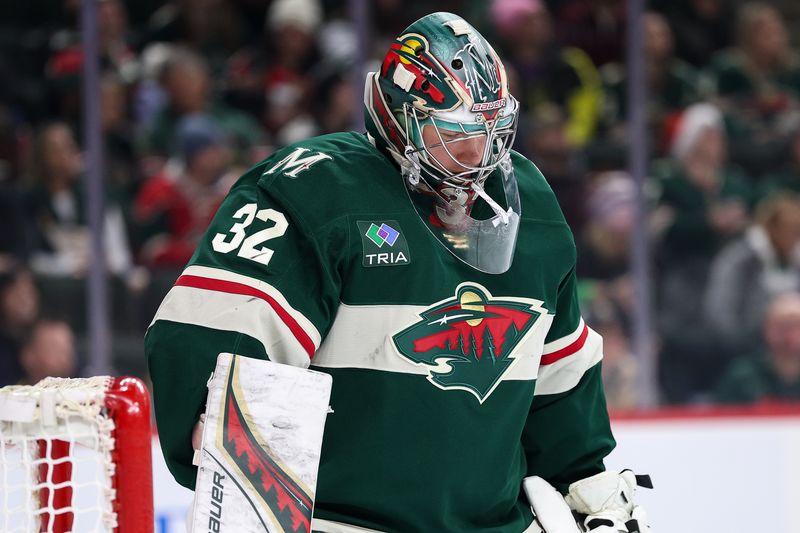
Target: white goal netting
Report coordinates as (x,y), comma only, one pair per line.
(56,457)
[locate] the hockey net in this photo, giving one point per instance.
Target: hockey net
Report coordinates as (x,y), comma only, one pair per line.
(75,456)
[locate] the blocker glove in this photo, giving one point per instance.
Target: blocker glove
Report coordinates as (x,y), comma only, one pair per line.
(605,503)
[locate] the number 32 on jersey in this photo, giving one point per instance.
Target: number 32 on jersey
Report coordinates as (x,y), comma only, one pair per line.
(249,246)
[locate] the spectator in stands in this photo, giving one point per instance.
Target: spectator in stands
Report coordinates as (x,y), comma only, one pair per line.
(49,351)
(117,43)
(187,82)
(709,198)
(213,28)
(120,158)
(335,105)
(701,28)
(787,176)
(16,237)
(12,134)
(57,206)
(288,86)
(546,73)
(15,240)
(774,374)
(751,271)
(275,79)
(762,70)
(620,379)
(672,85)
(598,27)
(19,309)
(149,96)
(708,204)
(758,85)
(544,141)
(118,54)
(604,245)
(604,251)
(171,213)
(604,248)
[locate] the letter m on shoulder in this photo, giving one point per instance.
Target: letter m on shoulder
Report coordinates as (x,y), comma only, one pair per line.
(297,162)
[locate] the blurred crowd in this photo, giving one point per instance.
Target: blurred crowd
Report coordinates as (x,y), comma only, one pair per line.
(193,92)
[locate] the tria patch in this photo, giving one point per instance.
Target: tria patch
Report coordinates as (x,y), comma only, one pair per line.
(383,243)
(471,341)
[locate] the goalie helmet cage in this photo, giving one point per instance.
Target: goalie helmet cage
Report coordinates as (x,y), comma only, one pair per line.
(75,456)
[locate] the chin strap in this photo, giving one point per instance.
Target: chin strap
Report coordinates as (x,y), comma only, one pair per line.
(502,216)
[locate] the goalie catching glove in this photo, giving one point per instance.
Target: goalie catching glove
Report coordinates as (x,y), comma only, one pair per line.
(603,503)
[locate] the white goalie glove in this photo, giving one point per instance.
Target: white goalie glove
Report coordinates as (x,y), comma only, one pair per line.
(603,503)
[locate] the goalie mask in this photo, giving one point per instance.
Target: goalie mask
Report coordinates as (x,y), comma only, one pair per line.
(440,107)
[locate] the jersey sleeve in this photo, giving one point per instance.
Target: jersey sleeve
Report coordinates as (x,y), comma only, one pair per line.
(262,284)
(567,434)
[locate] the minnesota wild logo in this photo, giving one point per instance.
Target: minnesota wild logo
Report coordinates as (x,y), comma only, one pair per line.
(468,342)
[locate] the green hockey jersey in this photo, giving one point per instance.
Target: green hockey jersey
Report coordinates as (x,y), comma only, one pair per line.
(449,384)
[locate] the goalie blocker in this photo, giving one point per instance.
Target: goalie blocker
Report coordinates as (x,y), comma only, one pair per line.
(260,448)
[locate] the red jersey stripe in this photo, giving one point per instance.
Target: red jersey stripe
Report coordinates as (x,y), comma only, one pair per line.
(231,287)
(552,357)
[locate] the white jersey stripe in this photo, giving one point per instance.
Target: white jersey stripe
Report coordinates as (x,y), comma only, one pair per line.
(225,275)
(563,342)
(235,312)
(361,337)
(565,373)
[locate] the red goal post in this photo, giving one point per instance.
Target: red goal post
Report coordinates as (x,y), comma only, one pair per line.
(75,455)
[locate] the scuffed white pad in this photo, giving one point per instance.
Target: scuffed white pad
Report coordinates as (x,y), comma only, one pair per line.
(261,446)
